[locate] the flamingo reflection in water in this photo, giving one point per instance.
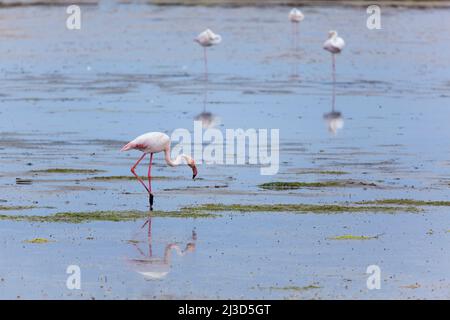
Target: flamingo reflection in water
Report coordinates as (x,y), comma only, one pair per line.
(153,267)
(334,118)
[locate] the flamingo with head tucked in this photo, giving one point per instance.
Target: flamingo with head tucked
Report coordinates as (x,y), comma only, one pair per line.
(207,39)
(334,44)
(295,16)
(155,142)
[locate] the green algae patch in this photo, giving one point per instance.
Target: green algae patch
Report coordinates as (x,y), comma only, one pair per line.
(207,211)
(408,202)
(299,185)
(127,178)
(279,185)
(352,237)
(301,208)
(324,172)
(38,241)
(10,208)
(68,171)
(296,288)
(79,217)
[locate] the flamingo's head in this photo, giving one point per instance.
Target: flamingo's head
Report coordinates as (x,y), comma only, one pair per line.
(332,34)
(193,167)
(190,247)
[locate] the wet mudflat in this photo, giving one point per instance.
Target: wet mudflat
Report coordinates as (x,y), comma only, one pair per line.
(70,99)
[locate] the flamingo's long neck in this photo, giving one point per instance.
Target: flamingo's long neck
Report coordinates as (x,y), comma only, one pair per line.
(177,161)
(168,251)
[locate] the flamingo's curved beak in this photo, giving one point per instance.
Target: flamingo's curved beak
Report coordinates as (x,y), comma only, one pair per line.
(194,170)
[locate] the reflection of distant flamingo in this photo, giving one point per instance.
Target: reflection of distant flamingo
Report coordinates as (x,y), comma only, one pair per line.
(155,268)
(334,120)
(207,119)
(154,142)
(334,44)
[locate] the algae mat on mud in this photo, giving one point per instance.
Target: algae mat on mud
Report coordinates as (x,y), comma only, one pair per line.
(205,211)
(68,171)
(352,237)
(303,208)
(320,184)
(78,217)
(408,202)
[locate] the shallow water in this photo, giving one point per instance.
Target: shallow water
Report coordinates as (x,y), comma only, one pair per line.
(71,99)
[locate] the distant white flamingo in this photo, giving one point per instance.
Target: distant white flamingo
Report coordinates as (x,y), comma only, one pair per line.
(207,39)
(295,16)
(334,44)
(155,142)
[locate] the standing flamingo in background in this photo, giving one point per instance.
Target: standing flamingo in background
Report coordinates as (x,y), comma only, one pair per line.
(334,44)
(207,39)
(295,16)
(154,142)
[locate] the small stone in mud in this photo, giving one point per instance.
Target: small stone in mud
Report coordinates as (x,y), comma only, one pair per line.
(411,286)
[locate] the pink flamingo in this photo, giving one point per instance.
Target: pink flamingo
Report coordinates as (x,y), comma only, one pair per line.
(155,142)
(207,39)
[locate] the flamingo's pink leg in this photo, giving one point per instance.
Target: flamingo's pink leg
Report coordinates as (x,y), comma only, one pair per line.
(150,174)
(206,63)
(150,253)
(134,172)
(205,96)
(333,68)
(149,221)
(293,35)
(333,101)
(296,38)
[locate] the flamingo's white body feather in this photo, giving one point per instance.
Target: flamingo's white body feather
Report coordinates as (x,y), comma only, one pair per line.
(296,15)
(208,38)
(151,142)
(334,44)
